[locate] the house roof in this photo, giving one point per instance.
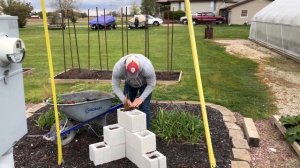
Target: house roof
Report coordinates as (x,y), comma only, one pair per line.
(237,4)
(168,1)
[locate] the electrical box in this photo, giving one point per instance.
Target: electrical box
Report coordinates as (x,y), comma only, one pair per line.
(13,124)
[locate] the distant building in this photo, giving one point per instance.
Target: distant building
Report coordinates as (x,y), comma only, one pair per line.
(35,17)
(235,11)
(242,12)
(197,5)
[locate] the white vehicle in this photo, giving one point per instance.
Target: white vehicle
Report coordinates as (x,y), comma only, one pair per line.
(183,19)
(151,20)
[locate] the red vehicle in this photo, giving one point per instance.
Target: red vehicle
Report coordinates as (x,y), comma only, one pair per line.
(208,17)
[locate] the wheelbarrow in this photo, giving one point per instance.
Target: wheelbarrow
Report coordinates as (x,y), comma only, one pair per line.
(83,107)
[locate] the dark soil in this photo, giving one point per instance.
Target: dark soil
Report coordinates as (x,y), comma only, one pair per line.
(33,151)
(106,75)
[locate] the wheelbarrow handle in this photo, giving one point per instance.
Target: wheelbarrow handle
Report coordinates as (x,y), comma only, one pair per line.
(77,126)
(52,137)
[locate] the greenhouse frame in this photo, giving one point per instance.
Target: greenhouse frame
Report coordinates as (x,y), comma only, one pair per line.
(277,26)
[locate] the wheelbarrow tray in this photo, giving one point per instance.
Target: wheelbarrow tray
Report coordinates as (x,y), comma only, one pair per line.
(82,106)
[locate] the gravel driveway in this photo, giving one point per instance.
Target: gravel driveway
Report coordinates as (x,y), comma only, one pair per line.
(282,75)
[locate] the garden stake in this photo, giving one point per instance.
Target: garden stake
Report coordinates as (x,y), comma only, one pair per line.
(146,34)
(70,41)
(168,41)
(88,27)
(63,36)
(78,60)
(126,30)
(172,40)
(122,32)
(105,42)
(212,159)
(99,49)
(148,41)
(48,45)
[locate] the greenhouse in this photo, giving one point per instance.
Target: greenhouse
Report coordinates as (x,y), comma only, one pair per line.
(277,26)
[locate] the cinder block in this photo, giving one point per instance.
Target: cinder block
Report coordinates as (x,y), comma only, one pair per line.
(150,160)
(142,142)
(133,121)
(154,160)
(117,152)
(114,134)
(133,156)
(7,160)
(99,153)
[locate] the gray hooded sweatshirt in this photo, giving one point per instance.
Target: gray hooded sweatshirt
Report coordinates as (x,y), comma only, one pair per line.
(146,75)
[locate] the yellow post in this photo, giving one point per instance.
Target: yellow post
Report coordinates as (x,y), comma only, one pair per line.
(212,159)
(57,125)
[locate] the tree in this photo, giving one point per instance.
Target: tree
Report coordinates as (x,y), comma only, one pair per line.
(149,7)
(113,13)
(17,8)
(63,5)
(134,10)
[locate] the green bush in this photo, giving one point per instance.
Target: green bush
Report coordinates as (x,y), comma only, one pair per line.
(177,126)
(293,134)
(292,124)
(177,15)
(17,8)
(289,121)
(47,119)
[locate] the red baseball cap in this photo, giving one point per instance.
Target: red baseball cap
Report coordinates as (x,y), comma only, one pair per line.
(132,66)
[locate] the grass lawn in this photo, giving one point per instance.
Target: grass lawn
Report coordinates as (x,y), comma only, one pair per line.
(228,80)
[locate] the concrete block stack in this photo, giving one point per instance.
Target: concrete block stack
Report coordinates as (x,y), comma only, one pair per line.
(129,138)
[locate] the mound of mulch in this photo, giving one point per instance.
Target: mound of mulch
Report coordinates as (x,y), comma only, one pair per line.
(33,151)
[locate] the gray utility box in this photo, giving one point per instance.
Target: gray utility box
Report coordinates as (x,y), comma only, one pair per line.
(13,125)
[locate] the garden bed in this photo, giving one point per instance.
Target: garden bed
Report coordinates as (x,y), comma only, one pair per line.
(33,151)
(295,145)
(104,76)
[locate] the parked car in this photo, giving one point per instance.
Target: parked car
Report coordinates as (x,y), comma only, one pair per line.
(110,23)
(154,20)
(208,17)
(205,17)
(139,21)
(183,19)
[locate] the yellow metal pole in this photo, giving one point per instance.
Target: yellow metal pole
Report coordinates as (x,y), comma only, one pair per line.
(57,125)
(212,159)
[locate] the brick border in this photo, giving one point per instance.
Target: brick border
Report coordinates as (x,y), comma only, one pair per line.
(30,111)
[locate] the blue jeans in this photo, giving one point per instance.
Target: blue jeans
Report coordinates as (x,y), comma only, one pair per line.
(132,93)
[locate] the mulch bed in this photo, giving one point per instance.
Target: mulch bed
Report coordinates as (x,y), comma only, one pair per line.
(33,151)
(106,75)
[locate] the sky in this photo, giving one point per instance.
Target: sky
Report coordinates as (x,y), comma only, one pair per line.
(84,5)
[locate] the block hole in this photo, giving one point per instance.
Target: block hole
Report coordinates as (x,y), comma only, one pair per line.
(112,128)
(144,134)
(153,156)
(100,146)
